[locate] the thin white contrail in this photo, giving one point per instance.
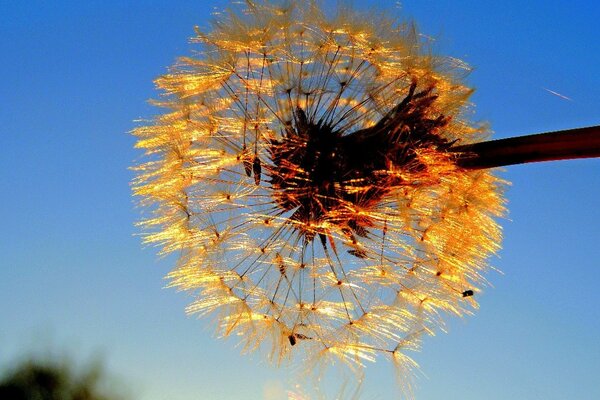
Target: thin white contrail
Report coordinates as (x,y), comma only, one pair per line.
(557,94)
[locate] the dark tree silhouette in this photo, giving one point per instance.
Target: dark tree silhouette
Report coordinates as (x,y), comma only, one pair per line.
(53,380)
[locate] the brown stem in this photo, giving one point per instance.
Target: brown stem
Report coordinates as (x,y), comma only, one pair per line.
(560,145)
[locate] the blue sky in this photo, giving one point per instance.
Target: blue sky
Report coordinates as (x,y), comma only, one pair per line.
(75,277)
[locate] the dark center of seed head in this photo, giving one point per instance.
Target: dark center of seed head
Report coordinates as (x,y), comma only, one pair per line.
(317,172)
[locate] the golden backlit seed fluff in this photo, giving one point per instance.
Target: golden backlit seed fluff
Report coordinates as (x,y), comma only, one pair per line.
(301,173)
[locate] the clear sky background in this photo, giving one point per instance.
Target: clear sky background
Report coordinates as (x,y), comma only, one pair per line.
(74,277)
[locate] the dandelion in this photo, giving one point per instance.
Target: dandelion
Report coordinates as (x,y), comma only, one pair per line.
(319,177)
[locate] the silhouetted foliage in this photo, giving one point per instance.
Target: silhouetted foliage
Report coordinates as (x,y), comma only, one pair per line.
(52,380)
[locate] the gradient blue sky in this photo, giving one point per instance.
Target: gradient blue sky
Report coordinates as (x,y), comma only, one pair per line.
(74,276)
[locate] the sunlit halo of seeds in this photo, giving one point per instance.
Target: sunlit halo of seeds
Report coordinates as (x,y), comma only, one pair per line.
(301,173)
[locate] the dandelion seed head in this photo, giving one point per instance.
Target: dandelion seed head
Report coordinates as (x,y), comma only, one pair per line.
(301,172)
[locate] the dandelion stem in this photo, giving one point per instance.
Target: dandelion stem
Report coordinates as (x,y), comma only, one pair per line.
(550,146)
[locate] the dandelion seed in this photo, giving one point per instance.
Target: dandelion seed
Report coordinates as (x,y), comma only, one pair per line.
(302,171)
